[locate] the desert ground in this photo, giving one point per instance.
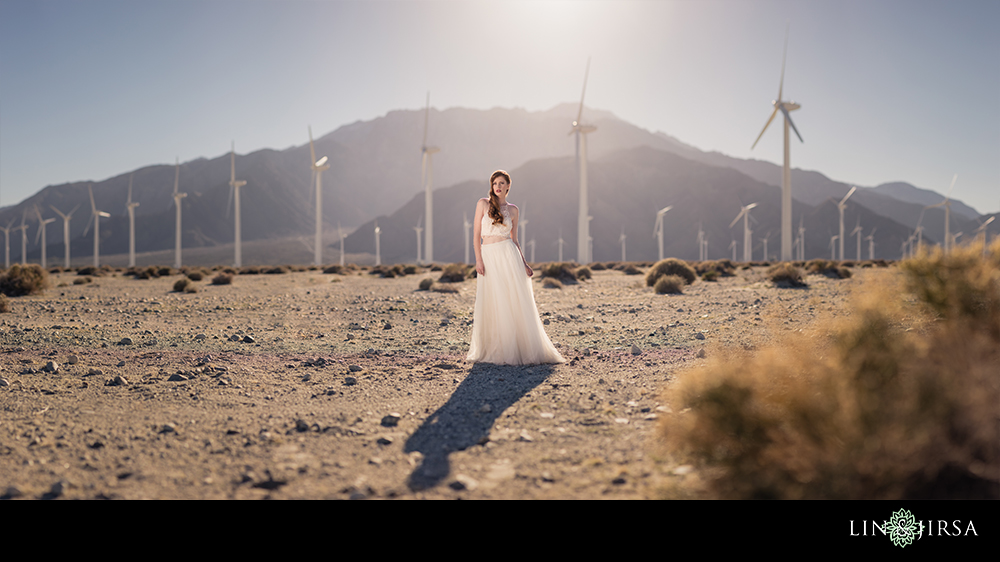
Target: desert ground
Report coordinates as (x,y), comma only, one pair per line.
(326,386)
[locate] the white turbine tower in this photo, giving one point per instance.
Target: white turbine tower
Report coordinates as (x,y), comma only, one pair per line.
(732,246)
(42,223)
(131,205)
(418,229)
(24,238)
(95,216)
(621,239)
(378,247)
(427,177)
(947,214)
(840,207)
(467,225)
(177,204)
(234,194)
(522,225)
(982,230)
(318,167)
(701,243)
(658,228)
(66,218)
(857,230)
(765,245)
(532,244)
(561,243)
(786,176)
(6,233)
(802,241)
(705,244)
(745,214)
(871,244)
(583,218)
(833,246)
(340,233)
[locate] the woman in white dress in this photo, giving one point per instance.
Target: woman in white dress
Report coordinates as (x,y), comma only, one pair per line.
(506,328)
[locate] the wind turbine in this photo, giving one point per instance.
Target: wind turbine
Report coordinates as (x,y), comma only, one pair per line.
(833,246)
(65,218)
(522,225)
(786,175)
(6,232)
(982,230)
(24,238)
(745,214)
(732,246)
(177,205)
(621,239)
(857,230)
(95,216)
(467,225)
(130,205)
(532,244)
(318,167)
(340,232)
(427,177)
(583,218)
(234,194)
(418,229)
(701,245)
(41,233)
(561,242)
(765,245)
(947,213)
(705,244)
(871,244)
(802,241)
(840,207)
(378,248)
(658,229)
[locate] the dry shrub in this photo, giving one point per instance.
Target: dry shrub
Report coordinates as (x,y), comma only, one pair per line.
(584,274)
(598,266)
(426,283)
(22,280)
(82,280)
(632,270)
(439,288)
(94,271)
(195,275)
(670,266)
(899,402)
(4,304)
(785,275)
(551,283)
(669,284)
(181,284)
(410,270)
(455,273)
(564,272)
(335,269)
(830,268)
(710,275)
(722,268)
(276,270)
(223,278)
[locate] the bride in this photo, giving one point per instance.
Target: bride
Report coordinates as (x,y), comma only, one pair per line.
(506,328)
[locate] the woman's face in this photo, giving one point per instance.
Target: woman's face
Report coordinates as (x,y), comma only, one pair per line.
(500,186)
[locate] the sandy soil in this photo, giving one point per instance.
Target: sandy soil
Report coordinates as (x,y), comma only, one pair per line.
(356,387)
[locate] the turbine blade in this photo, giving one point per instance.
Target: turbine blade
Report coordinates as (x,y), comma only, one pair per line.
(769,119)
(427,115)
(738,217)
(586,74)
(849,193)
(312,151)
(952,186)
(230,202)
(790,122)
(232,159)
(784,55)
(90,190)
(177,174)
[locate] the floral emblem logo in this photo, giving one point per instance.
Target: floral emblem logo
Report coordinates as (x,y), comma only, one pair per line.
(902,528)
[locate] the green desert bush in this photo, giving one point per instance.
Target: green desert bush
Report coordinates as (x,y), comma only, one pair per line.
(710,275)
(897,401)
(670,266)
(22,280)
(455,273)
(785,274)
(669,285)
(223,278)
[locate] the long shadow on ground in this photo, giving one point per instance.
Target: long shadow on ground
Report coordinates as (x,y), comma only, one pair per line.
(465,420)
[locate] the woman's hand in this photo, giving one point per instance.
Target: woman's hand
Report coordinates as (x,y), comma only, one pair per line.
(480,268)
(527,269)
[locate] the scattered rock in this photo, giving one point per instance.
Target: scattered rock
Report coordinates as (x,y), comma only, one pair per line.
(94,372)
(177,377)
(200,337)
(168,428)
(4,382)
(701,353)
(350,381)
(72,360)
(699,336)
(354,368)
(117,381)
(248,339)
(391,420)
(636,350)
(125,341)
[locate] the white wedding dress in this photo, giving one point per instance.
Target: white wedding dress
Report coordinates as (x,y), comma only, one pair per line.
(506,328)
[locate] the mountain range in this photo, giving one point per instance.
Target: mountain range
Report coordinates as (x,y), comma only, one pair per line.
(375,173)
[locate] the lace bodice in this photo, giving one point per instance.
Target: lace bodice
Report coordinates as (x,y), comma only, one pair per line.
(494,231)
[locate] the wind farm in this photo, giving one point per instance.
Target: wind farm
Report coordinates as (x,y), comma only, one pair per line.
(275,332)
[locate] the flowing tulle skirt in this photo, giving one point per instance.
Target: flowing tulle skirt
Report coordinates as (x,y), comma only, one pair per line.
(506,328)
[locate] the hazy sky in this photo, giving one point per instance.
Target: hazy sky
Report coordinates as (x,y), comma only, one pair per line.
(891,90)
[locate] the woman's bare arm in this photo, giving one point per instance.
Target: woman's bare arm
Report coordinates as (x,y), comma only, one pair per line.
(477,237)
